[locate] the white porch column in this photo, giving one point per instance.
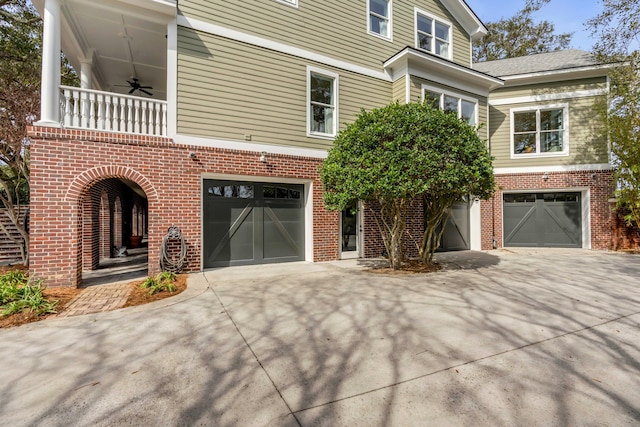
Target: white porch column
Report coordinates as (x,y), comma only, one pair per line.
(50,90)
(172,78)
(86,66)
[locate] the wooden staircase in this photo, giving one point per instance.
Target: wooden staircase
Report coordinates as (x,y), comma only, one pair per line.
(9,250)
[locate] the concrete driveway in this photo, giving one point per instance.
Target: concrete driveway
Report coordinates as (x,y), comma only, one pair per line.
(526,337)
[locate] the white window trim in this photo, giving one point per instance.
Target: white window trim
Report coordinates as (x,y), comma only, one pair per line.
(292,3)
(336,85)
(538,154)
(417,11)
(390,26)
(460,97)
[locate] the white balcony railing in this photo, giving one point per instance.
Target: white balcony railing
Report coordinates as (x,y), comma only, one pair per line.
(97,110)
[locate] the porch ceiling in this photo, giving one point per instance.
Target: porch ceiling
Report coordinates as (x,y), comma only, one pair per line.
(124,39)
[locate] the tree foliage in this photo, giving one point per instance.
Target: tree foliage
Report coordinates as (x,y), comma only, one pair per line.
(617,28)
(20,64)
(520,35)
(393,156)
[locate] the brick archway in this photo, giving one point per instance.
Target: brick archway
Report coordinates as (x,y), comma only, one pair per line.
(85,179)
(81,197)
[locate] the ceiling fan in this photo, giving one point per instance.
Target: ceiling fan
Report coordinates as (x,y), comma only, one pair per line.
(134,84)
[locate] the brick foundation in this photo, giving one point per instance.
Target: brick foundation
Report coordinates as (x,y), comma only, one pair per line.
(69,167)
(599,184)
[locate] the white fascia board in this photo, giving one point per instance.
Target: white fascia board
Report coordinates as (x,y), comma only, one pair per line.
(431,62)
(218,30)
(159,12)
(441,71)
(250,146)
(467,18)
(551,169)
(166,7)
(550,97)
(558,75)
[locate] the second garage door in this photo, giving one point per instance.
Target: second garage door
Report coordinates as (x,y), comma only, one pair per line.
(543,220)
(252,223)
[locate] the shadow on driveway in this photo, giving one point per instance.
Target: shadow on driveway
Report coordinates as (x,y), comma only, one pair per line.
(535,338)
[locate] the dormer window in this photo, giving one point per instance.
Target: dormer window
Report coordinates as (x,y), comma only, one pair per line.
(379,15)
(433,34)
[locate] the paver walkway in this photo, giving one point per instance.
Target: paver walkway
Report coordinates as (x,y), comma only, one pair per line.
(98,298)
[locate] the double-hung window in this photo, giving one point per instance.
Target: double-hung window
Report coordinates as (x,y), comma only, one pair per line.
(379,16)
(322,103)
(464,107)
(433,34)
(539,131)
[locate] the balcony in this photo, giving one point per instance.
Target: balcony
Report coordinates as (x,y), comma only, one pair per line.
(120,50)
(108,111)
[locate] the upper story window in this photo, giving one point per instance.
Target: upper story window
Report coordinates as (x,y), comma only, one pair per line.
(433,34)
(322,104)
(539,131)
(379,15)
(290,2)
(466,108)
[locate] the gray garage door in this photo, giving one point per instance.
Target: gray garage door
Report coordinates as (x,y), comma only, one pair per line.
(543,220)
(252,223)
(456,231)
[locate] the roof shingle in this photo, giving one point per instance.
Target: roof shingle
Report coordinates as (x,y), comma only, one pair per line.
(552,61)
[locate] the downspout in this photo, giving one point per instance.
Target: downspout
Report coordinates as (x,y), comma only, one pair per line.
(494,241)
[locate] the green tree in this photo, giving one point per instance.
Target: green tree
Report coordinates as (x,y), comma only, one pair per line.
(20,62)
(520,35)
(393,156)
(617,28)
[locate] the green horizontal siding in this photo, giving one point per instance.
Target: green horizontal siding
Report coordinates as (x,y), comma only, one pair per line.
(334,28)
(549,88)
(400,90)
(587,142)
(227,90)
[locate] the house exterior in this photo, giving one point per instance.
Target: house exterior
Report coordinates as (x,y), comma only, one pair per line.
(551,154)
(215,116)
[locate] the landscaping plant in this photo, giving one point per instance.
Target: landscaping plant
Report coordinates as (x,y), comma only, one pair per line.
(395,156)
(19,293)
(162,282)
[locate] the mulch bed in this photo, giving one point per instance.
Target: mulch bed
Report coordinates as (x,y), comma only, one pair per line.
(137,296)
(62,295)
(410,267)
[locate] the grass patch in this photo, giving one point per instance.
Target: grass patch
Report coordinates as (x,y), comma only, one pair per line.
(18,293)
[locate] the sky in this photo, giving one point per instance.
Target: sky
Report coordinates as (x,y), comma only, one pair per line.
(568,16)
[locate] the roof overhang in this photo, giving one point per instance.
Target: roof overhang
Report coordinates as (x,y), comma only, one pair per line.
(428,66)
(466,17)
(121,38)
(559,75)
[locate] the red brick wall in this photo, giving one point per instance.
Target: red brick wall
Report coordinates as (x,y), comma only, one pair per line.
(65,163)
(600,184)
(373,244)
